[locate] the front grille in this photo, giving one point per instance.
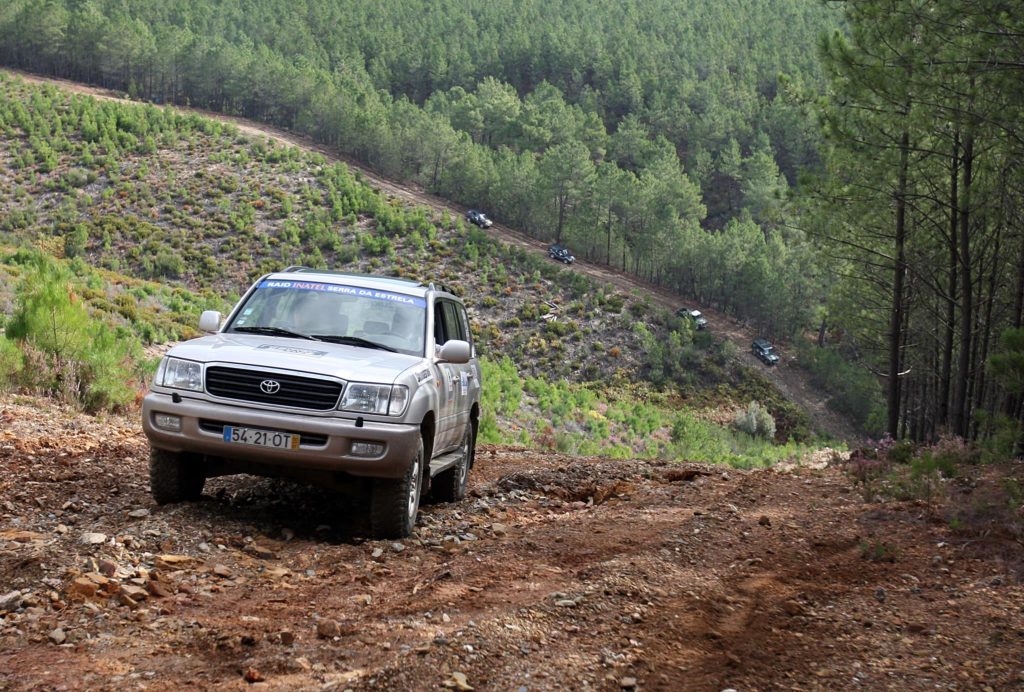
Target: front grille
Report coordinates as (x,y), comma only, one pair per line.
(305,439)
(294,391)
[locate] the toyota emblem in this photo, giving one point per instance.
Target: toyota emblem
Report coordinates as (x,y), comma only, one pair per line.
(270,386)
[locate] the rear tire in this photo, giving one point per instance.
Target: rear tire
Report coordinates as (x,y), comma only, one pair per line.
(175,476)
(450,485)
(394,504)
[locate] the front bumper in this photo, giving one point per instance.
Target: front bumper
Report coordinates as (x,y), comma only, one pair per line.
(326,439)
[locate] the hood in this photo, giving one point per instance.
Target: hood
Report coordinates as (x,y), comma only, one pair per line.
(307,357)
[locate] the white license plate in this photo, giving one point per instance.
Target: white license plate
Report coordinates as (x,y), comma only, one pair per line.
(260,438)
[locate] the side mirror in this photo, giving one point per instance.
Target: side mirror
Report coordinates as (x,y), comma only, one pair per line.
(209,321)
(454,351)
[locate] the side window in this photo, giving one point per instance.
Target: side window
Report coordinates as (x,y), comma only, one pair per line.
(453,325)
(439,326)
(464,324)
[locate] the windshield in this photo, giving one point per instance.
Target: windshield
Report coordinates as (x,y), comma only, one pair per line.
(334,312)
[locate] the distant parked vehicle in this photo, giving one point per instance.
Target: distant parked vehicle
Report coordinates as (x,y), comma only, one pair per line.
(764,351)
(561,254)
(479,218)
(696,318)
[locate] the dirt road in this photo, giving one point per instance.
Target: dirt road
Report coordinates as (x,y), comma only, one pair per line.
(791,380)
(557,573)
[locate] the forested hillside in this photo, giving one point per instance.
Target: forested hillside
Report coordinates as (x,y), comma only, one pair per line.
(623,128)
(847,169)
(140,217)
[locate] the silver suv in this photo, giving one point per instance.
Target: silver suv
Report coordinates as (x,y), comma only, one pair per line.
(327,378)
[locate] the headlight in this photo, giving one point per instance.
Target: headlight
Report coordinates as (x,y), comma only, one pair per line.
(381,399)
(180,374)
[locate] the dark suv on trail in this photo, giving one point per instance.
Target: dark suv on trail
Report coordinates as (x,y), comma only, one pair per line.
(561,253)
(340,380)
(694,316)
(478,218)
(764,351)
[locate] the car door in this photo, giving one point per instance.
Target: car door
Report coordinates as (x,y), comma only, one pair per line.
(446,328)
(468,386)
(459,381)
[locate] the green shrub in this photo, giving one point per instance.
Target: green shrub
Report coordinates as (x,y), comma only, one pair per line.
(558,328)
(64,352)
(614,303)
(12,363)
(78,177)
(756,421)
(75,241)
(165,264)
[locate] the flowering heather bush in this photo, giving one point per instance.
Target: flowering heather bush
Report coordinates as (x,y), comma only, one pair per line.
(951,451)
(865,469)
(904,471)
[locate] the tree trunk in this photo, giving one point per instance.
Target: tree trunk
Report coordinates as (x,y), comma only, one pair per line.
(562,201)
(959,418)
(947,352)
(608,249)
(980,388)
(899,270)
(1018,298)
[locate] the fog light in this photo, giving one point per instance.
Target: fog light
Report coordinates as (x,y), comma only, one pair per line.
(166,421)
(362,448)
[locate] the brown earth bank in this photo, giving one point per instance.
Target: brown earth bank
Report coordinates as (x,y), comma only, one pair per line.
(557,573)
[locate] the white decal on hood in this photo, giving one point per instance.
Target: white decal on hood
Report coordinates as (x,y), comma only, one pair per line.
(294,350)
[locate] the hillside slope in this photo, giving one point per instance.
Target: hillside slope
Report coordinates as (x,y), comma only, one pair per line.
(557,573)
(792,381)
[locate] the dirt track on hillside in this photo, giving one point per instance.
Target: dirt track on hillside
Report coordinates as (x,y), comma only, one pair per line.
(791,380)
(557,573)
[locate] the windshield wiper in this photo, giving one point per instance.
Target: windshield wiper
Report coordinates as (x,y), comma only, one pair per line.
(275,331)
(355,341)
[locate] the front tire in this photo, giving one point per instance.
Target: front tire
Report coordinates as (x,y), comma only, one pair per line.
(395,503)
(175,476)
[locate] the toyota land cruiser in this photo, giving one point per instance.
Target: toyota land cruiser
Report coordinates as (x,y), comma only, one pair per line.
(323,377)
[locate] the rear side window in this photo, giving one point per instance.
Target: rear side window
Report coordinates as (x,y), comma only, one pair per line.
(463,323)
(450,322)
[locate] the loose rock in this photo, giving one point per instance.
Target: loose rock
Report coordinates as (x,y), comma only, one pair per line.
(328,629)
(10,600)
(458,681)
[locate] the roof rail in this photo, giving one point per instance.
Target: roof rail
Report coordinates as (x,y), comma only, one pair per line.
(440,287)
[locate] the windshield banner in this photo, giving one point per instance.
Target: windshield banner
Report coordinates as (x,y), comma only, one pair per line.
(371,293)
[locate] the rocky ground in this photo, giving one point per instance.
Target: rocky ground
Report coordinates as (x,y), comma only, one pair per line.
(557,573)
